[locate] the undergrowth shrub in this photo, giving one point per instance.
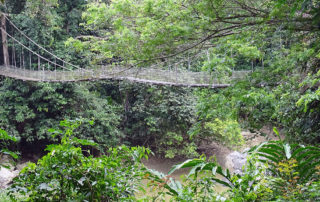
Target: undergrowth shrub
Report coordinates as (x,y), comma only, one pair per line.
(159,117)
(274,171)
(28,109)
(217,120)
(6,141)
(69,173)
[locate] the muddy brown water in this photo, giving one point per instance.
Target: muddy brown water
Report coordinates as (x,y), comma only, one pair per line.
(213,149)
(218,151)
(165,165)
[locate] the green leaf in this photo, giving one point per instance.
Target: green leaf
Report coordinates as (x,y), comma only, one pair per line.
(10,153)
(196,169)
(276,132)
(221,182)
(4,136)
(270,158)
(84,142)
(186,164)
(272,152)
(307,151)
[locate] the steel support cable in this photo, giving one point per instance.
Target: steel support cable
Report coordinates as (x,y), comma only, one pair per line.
(21,32)
(33,51)
(56,57)
(53,55)
(12,49)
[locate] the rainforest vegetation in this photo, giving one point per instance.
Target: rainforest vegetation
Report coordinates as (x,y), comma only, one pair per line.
(93,135)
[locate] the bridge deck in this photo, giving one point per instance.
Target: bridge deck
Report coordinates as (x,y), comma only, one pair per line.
(143,75)
(35,63)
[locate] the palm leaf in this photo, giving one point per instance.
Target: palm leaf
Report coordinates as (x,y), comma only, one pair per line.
(222,182)
(297,151)
(271,153)
(309,173)
(308,167)
(303,164)
(306,152)
(265,155)
(186,164)
(199,165)
(276,151)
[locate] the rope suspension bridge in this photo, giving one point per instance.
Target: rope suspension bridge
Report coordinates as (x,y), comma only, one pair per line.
(25,59)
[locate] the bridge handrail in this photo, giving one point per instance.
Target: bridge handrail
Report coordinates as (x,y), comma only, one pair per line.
(39,46)
(33,51)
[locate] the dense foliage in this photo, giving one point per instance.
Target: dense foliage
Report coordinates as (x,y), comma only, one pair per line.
(282,91)
(277,40)
(280,94)
(5,142)
(28,109)
(69,172)
(288,180)
(159,117)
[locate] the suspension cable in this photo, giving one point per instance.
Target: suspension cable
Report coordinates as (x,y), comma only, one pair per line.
(34,52)
(39,46)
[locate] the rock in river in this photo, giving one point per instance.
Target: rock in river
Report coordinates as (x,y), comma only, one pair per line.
(235,160)
(6,177)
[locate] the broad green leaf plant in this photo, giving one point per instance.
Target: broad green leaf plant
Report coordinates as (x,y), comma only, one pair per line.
(70,173)
(5,142)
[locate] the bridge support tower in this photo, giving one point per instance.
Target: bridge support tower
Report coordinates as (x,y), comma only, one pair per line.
(4,41)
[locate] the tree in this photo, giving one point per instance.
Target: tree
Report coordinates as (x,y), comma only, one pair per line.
(152,30)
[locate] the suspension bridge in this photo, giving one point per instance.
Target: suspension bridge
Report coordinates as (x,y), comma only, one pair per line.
(25,59)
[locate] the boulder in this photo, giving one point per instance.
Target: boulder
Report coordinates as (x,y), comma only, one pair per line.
(6,177)
(235,161)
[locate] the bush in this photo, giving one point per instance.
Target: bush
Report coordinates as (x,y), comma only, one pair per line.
(68,172)
(28,109)
(275,171)
(159,117)
(5,142)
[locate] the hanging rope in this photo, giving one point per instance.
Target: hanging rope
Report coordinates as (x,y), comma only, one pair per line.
(51,54)
(44,67)
(12,50)
(20,58)
(33,52)
(30,60)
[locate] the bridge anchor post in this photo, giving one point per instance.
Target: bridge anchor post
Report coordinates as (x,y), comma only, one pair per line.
(4,40)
